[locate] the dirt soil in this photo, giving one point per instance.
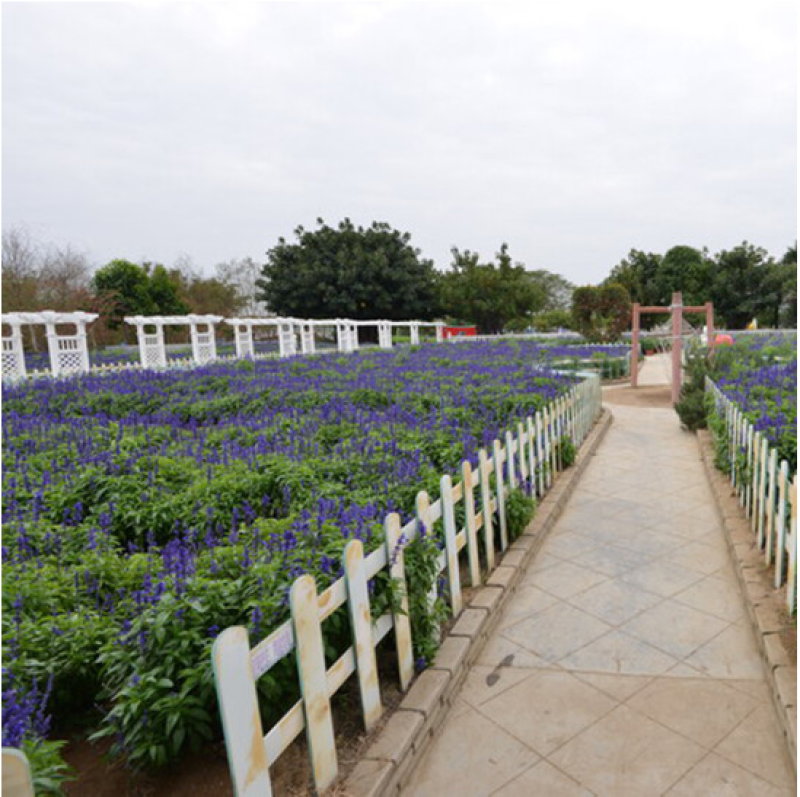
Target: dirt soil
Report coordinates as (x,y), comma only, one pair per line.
(649,396)
(206,774)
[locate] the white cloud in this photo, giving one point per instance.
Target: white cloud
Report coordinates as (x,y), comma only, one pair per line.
(572,130)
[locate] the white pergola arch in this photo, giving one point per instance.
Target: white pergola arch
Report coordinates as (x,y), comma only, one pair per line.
(152,349)
(68,352)
(288,331)
(413,330)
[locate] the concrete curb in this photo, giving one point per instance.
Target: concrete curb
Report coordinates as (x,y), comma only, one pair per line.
(391,758)
(755,581)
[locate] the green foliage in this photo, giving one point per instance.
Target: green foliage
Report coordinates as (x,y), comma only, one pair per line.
(163,291)
(488,294)
(736,287)
(683,269)
(552,320)
(636,273)
(743,282)
(349,272)
(48,769)
(691,407)
(426,615)
(601,314)
(716,425)
(567,451)
(162,691)
(520,508)
(131,285)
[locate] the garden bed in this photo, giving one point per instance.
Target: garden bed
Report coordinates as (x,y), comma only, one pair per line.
(146,511)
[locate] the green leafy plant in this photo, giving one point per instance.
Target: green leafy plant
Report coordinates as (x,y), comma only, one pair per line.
(426,614)
(567,451)
(49,771)
(520,508)
(691,407)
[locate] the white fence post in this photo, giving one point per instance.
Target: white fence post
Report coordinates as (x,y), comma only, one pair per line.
(497,456)
(541,459)
(531,454)
(313,681)
(17,780)
(424,520)
(522,463)
(402,623)
(361,625)
(241,719)
(512,476)
(770,542)
(791,576)
(449,523)
(470,525)
(484,470)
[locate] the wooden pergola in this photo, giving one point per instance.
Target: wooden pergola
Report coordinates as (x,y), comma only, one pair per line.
(677,310)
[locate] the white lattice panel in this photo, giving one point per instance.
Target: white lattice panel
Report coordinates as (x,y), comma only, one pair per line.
(307,340)
(70,357)
(205,352)
(13,364)
(152,356)
(244,342)
(287,341)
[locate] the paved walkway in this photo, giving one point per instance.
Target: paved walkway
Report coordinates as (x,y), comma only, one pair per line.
(623,665)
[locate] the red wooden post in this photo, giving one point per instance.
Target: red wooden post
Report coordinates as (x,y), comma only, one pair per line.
(710,323)
(635,346)
(677,320)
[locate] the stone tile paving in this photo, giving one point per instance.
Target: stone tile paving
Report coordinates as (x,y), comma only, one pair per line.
(623,664)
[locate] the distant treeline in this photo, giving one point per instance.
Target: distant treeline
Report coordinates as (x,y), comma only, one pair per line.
(374,273)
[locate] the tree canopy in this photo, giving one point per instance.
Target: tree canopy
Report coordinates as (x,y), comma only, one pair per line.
(601,314)
(743,282)
(490,294)
(349,272)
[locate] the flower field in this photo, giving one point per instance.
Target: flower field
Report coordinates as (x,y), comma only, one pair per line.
(146,511)
(759,374)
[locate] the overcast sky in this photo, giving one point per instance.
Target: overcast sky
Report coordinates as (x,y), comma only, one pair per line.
(574,131)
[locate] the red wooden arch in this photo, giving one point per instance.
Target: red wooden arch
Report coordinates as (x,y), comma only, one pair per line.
(676,309)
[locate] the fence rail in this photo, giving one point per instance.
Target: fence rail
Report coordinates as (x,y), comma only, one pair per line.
(767,491)
(529,456)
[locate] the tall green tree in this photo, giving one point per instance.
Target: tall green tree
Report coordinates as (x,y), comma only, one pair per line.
(637,274)
(130,284)
(683,269)
(738,284)
(349,272)
(489,294)
(163,291)
(778,294)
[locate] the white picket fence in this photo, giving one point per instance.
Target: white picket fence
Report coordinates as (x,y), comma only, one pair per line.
(766,490)
(528,456)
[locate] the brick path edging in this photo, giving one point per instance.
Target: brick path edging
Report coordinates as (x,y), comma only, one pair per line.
(754,579)
(399,746)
